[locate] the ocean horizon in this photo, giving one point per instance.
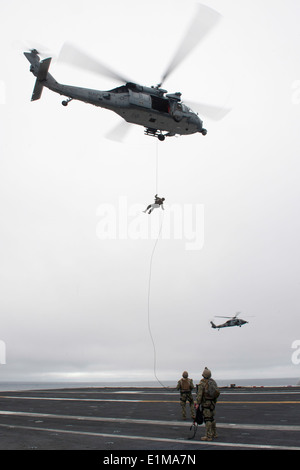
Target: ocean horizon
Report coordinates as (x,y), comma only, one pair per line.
(45,385)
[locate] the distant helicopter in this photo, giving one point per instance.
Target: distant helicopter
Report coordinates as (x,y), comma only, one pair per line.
(233,321)
(162,114)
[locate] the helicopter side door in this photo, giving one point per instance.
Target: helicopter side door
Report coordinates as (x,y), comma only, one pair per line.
(140,99)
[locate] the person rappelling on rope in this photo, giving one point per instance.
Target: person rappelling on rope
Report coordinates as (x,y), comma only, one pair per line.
(158,202)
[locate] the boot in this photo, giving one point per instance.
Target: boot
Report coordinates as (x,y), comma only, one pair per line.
(214,429)
(209,435)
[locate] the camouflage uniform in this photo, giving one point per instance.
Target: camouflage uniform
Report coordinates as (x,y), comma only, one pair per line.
(208,404)
(185,385)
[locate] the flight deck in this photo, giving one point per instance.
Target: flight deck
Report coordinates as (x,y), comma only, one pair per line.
(146,419)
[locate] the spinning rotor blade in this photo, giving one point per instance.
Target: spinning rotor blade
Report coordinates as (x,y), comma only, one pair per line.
(220,316)
(71,55)
(119,132)
(204,21)
(237,313)
(29,45)
(215,113)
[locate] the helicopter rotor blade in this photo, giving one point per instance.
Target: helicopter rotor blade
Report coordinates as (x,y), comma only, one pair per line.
(215,113)
(204,21)
(220,316)
(29,45)
(72,55)
(119,132)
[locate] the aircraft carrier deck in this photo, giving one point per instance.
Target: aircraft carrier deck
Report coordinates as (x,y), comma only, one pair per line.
(146,419)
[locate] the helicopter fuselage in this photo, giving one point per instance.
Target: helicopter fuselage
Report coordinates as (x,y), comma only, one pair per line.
(142,108)
(149,107)
(231,322)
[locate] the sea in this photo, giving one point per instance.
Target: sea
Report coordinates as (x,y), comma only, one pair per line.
(19,386)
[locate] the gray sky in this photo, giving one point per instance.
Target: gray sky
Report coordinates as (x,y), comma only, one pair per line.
(73,305)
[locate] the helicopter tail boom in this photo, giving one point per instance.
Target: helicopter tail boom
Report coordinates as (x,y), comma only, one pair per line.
(41,77)
(39,70)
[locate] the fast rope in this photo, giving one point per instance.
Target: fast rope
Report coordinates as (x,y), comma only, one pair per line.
(150,276)
(156,175)
(149,290)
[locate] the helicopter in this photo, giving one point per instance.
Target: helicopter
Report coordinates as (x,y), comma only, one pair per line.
(233,321)
(162,114)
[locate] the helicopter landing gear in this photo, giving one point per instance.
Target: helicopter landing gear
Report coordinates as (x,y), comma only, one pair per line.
(155,133)
(66,102)
(204,132)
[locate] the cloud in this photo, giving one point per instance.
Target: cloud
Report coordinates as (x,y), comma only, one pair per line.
(75,305)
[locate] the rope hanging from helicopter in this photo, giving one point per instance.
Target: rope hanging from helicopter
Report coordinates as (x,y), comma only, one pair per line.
(150,278)
(156,175)
(149,292)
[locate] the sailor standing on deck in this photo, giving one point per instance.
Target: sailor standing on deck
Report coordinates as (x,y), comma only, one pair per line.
(185,385)
(207,396)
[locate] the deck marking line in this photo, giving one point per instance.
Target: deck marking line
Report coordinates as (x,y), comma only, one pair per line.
(267,427)
(155,439)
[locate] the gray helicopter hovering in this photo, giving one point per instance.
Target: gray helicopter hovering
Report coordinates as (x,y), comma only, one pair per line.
(162,114)
(233,321)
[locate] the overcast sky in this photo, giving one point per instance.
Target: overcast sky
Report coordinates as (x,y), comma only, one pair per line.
(74,304)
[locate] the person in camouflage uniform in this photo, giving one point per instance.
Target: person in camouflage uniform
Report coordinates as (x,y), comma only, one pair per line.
(186,385)
(207,396)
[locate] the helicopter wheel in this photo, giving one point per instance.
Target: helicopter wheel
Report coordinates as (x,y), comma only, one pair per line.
(161,137)
(66,102)
(204,132)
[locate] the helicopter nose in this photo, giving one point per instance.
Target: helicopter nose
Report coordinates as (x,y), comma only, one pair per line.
(200,127)
(200,124)
(196,121)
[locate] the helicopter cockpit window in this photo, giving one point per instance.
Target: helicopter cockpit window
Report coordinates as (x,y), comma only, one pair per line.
(185,108)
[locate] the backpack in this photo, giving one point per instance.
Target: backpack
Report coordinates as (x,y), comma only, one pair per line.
(199,416)
(198,420)
(211,390)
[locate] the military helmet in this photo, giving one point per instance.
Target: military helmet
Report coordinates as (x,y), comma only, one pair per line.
(206,373)
(185,374)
